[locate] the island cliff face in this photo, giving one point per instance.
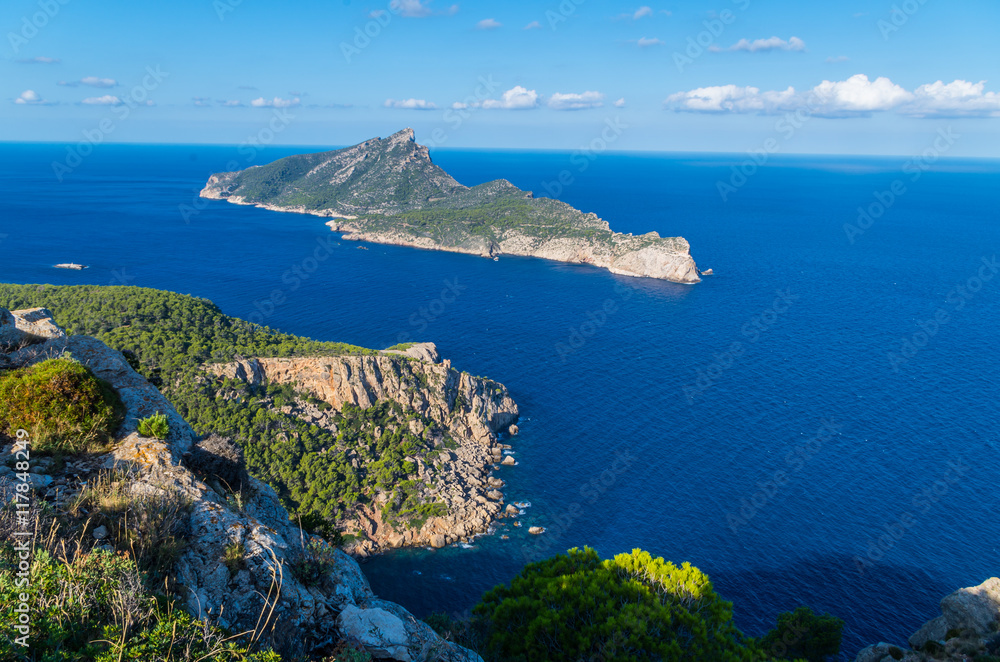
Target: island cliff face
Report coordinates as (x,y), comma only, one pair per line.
(465,415)
(389,191)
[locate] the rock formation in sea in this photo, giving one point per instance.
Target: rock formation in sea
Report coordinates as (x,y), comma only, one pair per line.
(389,191)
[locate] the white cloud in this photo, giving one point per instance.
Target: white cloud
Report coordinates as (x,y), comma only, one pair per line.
(645,43)
(231,103)
(106,100)
(516,98)
(29,97)
(410,104)
(764,45)
(858,96)
(620,103)
(488,24)
(92,81)
(642,12)
(839,58)
(276,102)
(730,99)
(959,98)
(534,25)
(576,101)
(410,8)
(201,101)
(38,60)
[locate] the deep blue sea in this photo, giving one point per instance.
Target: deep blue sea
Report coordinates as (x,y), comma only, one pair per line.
(814,424)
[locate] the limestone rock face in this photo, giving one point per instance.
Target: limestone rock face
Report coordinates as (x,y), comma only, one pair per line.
(472,410)
(25,327)
(976,608)
(311,614)
(970,618)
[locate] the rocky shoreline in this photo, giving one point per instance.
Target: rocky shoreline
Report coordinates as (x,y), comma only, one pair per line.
(628,255)
(472,411)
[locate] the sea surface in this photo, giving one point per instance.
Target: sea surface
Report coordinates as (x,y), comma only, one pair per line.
(816,423)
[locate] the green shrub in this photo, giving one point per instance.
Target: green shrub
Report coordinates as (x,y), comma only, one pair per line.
(154,426)
(633,607)
(314,563)
(61,404)
(151,527)
(804,635)
(95,607)
(234,557)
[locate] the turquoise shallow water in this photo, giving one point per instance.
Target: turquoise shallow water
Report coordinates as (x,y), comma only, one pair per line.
(688,421)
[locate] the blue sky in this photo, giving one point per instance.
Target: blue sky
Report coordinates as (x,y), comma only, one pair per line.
(857,77)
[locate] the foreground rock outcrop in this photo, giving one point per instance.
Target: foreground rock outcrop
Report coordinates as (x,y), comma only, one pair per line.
(389,191)
(968,628)
(469,411)
(265,596)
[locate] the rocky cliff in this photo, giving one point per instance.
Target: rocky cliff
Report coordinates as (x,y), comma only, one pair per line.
(265,596)
(465,415)
(967,629)
(389,191)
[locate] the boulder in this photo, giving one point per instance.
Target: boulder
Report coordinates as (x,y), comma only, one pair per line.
(381,633)
(536,530)
(933,630)
(9,333)
(509,461)
(976,608)
(875,653)
(495,495)
(438,541)
(37,324)
(512,510)
(514,430)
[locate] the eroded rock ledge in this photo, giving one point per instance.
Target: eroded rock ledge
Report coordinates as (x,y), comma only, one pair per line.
(340,607)
(471,412)
(967,629)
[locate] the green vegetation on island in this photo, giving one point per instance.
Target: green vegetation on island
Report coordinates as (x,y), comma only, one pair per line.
(391,188)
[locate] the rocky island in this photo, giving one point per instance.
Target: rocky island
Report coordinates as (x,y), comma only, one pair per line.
(389,191)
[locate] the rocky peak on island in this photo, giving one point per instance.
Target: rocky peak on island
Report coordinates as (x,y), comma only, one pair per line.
(388,190)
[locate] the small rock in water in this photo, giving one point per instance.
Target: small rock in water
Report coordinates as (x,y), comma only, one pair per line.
(536,530)
(509,461)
